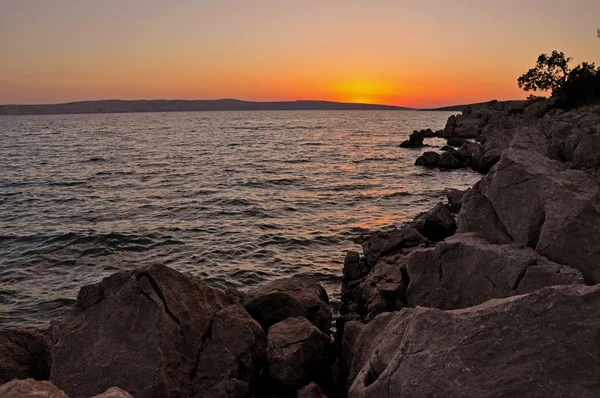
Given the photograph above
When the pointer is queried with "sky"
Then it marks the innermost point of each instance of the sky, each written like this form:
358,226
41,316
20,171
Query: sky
417,53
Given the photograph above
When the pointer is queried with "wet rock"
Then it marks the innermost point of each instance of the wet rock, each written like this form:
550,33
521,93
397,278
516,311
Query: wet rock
142,330
455,199
385,242
466,270
540,344
235,351
428,159
310,390
297,353
456,141
287,298
449,160
23,354
436,224
30,388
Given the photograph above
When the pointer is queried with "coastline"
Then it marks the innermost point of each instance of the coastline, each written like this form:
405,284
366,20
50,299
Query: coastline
492,293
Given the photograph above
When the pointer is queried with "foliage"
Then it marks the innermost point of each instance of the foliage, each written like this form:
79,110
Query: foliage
549,74
582,87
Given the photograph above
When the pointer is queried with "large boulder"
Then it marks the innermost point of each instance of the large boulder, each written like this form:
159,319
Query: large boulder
449,160
146,331
455,199
290,297
428,159
540,344
415,140
466,270
311,390
385,242
23,354
297,353
436,224
532,200
234,351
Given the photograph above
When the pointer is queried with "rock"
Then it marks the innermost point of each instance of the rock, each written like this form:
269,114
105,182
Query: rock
31,388
385,242
455,199
288,298
587,153
436,224
383,289
447,160
355,267
231,388
298,352
428,159
534,201
415,140
142,330
471,153
466,270
540,344
456,141
23,354
114,392
234,351
310,390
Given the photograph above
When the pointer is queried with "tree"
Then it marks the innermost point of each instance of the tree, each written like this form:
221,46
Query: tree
581,87
549,74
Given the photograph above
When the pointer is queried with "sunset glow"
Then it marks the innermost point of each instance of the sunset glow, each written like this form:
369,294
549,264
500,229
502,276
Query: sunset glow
392,52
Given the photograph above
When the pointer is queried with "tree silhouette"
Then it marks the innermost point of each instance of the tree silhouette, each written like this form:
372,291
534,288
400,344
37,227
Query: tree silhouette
549,74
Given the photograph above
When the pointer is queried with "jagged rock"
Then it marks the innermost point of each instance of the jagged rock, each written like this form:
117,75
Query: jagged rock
287,298
355,266
23,354
142,330
384,242
30,388
234,351
540,344
436,224
428,159
455,199
415,140
383,289
456,141
587,153
471,153
310,390
449,160
297,353
532,200
466,270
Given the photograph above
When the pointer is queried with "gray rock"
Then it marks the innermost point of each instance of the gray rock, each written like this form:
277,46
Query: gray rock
23,354
540,344
385,242
31,388
428,159
297,353
310,390
587,153
140,330
465,270
288,298
448,160
436,224
455,199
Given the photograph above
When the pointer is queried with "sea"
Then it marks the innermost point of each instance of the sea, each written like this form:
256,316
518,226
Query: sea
235,198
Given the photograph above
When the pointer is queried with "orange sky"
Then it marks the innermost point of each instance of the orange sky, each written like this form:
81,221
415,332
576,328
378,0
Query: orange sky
433,53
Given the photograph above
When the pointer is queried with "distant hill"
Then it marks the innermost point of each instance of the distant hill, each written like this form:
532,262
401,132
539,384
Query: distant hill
120,106
460,108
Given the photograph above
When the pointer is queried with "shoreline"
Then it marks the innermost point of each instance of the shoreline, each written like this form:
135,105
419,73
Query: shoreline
492,293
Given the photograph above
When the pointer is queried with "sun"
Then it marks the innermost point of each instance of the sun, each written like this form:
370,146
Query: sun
363,91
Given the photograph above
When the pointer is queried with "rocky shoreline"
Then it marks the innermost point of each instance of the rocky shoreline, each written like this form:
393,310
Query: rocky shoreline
491,294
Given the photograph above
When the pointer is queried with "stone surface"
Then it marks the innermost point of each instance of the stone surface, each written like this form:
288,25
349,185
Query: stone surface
31,388
540,344
428,159
142,330
466,270
114,392
448,160
310,390
235,350
23,354
436,224
385,242
298,352
455,199
291,297
231,388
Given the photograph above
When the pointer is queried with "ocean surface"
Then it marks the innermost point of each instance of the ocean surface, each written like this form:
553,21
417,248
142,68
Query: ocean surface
236,198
